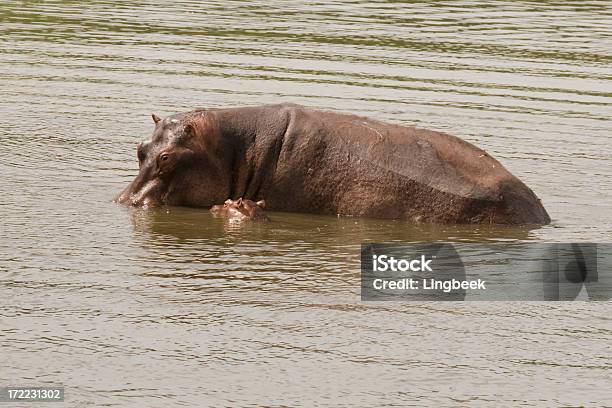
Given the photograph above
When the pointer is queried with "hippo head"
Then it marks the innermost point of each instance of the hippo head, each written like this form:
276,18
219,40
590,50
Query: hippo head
240,210
177,166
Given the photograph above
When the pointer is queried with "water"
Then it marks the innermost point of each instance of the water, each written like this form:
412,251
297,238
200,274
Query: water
171,307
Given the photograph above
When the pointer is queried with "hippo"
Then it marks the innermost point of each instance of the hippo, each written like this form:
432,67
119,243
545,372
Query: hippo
240,210
301,159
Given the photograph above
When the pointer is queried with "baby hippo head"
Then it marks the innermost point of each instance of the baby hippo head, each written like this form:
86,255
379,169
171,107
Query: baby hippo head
240,210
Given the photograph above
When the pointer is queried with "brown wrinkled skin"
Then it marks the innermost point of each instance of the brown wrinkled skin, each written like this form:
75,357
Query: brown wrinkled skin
240,210
305,160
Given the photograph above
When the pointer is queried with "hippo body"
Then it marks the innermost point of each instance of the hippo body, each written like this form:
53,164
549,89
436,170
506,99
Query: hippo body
304,160
240,210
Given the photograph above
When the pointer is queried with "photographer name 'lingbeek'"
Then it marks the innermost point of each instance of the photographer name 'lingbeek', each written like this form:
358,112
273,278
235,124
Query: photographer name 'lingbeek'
306,160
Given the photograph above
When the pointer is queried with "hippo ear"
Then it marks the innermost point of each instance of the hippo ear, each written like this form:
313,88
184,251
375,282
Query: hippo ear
261,203
156,118
189,130
239,202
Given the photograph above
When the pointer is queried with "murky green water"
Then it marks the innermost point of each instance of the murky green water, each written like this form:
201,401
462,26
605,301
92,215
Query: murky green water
172,307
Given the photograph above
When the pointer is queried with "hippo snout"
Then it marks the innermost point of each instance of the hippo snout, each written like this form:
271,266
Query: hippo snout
144,195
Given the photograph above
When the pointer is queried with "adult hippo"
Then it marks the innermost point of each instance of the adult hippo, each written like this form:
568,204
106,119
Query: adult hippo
306,160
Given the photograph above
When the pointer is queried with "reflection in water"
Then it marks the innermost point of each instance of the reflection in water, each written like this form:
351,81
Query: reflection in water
291,253
173,307
186,224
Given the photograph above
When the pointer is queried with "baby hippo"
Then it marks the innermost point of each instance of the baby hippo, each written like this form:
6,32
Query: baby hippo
240,210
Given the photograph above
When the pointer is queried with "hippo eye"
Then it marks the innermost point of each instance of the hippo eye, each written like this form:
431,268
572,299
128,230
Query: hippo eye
163,156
